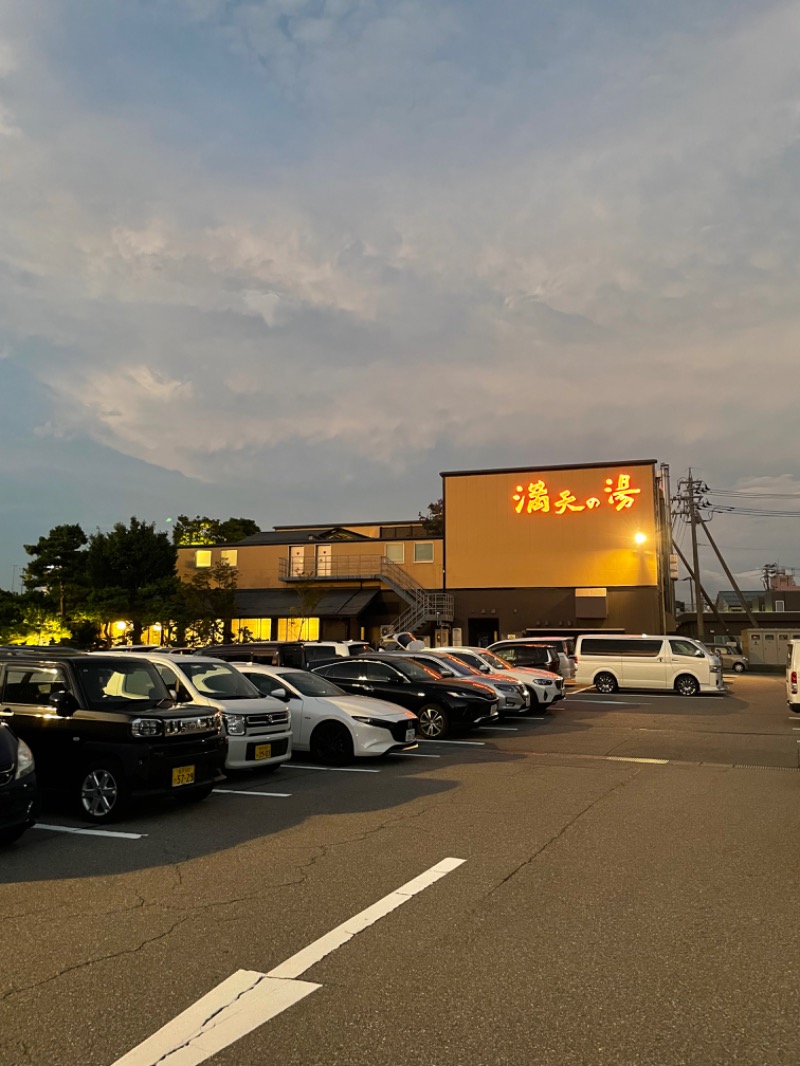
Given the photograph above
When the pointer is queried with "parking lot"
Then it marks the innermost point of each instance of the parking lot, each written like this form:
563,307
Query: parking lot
612,882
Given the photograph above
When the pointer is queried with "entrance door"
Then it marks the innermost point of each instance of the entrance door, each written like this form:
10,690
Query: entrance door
323,560
297,560
482,632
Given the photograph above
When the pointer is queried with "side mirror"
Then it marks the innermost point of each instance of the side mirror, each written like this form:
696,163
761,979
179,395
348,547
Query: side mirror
280,694
64,704
485,668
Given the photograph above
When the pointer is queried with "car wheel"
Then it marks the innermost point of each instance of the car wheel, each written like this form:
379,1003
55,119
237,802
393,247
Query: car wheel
606,683
102,792
8,836
433,721
686,685
738,668
332,744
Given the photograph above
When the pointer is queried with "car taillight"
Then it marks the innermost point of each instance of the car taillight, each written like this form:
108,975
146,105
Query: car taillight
794,682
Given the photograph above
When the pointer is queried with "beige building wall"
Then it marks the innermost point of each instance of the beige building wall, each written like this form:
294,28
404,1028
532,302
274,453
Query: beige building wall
552,527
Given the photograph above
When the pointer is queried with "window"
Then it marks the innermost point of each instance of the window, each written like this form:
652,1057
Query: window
229,556
395,553
780,605
379,672
298,629
423,552
32,686
245,629
684,647
344,671
202,558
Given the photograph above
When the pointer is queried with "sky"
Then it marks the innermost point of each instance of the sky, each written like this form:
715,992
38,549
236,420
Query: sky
290,259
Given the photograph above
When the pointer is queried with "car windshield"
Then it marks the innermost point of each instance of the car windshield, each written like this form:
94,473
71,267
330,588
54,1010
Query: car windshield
457,666
118,685
495,661
310,684
220,681
411,669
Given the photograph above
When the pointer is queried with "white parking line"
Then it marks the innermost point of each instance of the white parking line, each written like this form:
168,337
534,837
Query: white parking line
418,755
469,743
338,769
248,998
500,729
245,792
90,832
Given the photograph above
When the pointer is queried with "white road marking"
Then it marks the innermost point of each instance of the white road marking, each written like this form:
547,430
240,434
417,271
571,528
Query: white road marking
535,718
245,792
501,729
615,703
90,832
627,758
338,769
417,755
314,953
469,743
248,998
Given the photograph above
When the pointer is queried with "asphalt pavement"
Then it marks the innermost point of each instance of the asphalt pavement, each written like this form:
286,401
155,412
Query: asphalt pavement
613,882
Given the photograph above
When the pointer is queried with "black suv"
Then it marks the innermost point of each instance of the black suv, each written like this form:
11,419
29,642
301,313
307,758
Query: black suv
294,653
529,653
439,705
19,796
104,729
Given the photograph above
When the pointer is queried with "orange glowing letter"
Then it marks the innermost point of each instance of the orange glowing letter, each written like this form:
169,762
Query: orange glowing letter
623,495
567,502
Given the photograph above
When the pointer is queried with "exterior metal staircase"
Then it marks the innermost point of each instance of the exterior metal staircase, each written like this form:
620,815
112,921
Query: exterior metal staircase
424,605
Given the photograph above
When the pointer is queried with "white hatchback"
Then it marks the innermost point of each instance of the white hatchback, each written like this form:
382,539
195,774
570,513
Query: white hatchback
331,724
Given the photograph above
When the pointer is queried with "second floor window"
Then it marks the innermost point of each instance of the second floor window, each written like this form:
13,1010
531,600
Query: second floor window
202,558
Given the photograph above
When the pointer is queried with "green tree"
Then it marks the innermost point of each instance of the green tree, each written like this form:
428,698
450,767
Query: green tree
12,616
132,575
204,530
58,567
208,604
433,521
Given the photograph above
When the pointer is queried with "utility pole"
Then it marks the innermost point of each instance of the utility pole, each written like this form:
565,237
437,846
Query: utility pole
698,592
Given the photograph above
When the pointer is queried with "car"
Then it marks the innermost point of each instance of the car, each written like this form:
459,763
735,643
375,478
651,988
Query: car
533,653
441,706
729,658
545,687
334,726
258,728
514,697
300,654
19,794
105,731
792,674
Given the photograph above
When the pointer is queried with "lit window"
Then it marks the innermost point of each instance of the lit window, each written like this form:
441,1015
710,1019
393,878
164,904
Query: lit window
202,559
423,553
298,629
228,556
245,629
396,553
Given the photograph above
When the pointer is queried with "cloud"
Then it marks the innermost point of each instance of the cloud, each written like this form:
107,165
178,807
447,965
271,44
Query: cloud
399,233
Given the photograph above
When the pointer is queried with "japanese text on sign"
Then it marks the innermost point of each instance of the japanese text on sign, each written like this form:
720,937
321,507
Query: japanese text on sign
619,494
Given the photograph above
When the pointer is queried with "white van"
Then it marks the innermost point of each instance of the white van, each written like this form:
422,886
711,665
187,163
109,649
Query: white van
259,728
792,676
652,662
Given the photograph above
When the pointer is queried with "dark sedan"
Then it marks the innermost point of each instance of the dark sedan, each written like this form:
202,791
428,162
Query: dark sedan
19,796
440,706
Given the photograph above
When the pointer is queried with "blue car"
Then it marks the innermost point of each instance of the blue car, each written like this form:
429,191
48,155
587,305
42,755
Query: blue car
19,795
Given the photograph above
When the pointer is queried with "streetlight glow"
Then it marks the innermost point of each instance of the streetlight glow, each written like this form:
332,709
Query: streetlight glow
640,538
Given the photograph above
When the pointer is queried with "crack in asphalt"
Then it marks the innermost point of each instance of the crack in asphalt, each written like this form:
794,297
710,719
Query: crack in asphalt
91,962
557,836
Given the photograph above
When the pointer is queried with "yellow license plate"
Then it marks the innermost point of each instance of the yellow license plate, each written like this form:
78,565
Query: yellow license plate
263,751
182,775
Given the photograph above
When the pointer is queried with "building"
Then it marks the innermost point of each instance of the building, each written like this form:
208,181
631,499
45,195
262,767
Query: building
559,548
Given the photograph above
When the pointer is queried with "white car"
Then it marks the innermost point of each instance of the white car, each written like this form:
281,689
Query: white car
333,725
259,731
544,686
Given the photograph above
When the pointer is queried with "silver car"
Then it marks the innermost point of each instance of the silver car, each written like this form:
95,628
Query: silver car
544,686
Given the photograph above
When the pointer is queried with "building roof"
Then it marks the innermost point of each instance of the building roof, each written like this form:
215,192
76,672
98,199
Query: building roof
549,466
283,603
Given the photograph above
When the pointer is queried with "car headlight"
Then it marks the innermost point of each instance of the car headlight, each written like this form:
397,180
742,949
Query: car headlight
147,727
379,723
24,760
235,724
541,681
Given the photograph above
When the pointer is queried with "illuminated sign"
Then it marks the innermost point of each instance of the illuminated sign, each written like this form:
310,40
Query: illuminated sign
621,496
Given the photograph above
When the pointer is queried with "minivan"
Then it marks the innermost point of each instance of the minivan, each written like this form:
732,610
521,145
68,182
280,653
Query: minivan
647,662
258,727
792,673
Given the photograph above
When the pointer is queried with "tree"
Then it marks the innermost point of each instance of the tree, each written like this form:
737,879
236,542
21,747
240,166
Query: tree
204,530
59,567
208,603
433,521
132,574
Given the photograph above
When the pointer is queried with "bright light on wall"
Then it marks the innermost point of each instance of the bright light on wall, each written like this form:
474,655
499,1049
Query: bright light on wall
640,538
120,625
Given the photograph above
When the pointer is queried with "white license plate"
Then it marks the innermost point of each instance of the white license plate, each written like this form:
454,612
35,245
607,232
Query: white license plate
410,733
